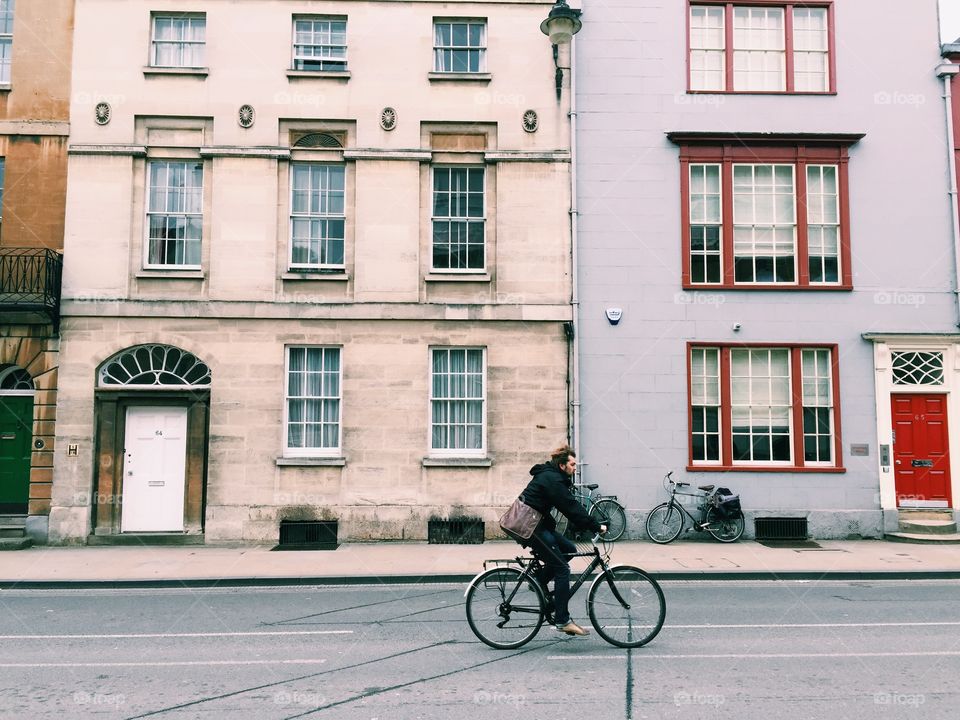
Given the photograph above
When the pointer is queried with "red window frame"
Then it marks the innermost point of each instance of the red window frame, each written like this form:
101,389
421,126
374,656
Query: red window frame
799,151
796,391
788,45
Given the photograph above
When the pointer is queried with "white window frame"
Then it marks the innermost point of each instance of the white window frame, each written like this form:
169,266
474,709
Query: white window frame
808,53
7,9
703,220
830,405
774,225
791,461
314,20
318,216
182,43
147,243
312,451
482,220
758,53
458,452
818,202
701,50
439,49
704,380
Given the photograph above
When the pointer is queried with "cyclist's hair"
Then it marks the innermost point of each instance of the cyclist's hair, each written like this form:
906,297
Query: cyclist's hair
562,454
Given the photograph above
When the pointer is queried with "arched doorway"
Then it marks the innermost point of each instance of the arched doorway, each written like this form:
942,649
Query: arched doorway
16,439
152,405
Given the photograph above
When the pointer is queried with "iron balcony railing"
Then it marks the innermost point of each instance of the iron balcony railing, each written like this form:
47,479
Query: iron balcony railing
30,284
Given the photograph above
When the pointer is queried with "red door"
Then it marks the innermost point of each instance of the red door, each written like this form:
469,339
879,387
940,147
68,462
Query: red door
921,452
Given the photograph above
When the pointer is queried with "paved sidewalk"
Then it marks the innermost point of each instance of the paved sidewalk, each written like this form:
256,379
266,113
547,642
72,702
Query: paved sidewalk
51,567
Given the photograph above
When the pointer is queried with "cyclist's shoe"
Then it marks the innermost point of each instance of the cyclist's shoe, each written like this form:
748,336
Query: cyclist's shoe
571,628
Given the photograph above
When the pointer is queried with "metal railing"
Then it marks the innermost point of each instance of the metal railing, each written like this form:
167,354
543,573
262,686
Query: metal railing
30,282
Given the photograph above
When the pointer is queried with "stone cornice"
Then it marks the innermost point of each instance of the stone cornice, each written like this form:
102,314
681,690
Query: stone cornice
527,156
34,127
130,150
376,154
279,153
253,310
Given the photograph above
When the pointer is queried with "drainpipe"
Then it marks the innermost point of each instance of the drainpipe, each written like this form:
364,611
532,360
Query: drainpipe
946,72
574,256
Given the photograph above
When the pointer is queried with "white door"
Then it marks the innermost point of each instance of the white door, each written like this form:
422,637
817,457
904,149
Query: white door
154,469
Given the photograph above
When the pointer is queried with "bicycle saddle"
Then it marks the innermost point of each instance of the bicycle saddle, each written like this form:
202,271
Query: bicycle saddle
594,486
706,488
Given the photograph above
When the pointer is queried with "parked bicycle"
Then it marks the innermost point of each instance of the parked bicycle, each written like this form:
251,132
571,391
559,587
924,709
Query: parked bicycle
606,509
720,514
507,605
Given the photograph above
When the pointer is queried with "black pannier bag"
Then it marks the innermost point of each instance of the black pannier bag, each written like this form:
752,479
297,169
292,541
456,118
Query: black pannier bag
726,503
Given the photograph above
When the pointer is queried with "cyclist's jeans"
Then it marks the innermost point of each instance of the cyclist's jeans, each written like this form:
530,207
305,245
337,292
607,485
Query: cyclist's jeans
554,550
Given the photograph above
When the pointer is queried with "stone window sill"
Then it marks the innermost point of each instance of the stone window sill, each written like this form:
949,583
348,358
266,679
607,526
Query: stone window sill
457,462
312,276
5,87
190,71
457,277
170,275
319,74
455,76
311,461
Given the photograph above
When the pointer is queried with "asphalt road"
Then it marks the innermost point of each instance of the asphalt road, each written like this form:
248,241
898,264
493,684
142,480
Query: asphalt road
787,650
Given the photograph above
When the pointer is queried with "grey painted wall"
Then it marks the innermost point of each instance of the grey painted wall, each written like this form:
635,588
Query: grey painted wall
631,90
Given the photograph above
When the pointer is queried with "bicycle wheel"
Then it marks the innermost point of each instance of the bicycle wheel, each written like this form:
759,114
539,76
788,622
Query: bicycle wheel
725,530
636,624
610,513
502,611
664,523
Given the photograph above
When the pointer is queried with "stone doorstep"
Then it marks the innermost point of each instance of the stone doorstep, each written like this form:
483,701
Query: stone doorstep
923,538
910,514
928,527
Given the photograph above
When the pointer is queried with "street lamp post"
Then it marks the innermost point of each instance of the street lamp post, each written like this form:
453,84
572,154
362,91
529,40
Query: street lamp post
561,25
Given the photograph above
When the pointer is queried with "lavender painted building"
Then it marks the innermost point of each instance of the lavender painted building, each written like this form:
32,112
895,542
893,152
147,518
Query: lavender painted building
763,190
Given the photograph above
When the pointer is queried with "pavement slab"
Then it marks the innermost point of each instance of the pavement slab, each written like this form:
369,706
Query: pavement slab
419,561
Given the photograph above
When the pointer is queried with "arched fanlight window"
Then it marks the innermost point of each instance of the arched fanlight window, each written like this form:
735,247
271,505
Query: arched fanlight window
15,378
319,140
154,366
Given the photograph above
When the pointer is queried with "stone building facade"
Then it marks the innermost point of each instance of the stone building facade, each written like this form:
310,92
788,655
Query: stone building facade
35,55
308,278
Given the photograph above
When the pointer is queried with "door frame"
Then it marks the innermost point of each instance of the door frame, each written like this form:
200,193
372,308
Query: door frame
884,345
110,409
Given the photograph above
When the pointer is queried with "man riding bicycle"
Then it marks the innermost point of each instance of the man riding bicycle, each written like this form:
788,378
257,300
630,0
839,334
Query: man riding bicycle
550,488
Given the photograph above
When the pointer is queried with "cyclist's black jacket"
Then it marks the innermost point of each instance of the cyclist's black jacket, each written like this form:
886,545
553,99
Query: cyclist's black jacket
549,489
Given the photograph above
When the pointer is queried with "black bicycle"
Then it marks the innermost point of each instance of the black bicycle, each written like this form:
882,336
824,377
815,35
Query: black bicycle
506,605
665,522
605,509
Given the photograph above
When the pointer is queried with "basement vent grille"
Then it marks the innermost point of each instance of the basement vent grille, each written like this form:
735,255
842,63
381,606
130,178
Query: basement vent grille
308,535
789,528
462,531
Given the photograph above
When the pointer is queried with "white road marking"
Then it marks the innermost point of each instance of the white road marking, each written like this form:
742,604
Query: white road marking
176,635
301,661
818,625
641,654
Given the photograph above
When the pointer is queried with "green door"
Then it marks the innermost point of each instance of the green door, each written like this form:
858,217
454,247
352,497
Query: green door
16,434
